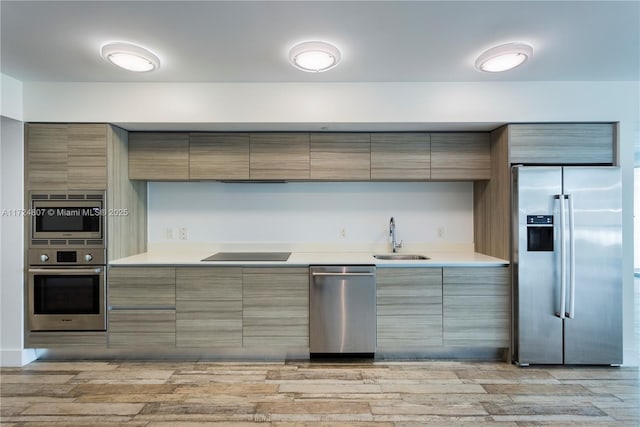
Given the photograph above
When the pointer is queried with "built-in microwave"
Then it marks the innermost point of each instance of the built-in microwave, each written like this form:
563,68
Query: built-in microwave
67,219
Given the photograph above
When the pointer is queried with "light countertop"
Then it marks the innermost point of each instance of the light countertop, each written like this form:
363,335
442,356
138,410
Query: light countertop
305,259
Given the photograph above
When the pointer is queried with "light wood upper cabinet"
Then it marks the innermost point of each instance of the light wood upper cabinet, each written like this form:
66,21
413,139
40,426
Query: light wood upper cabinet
209,307
558,143
340,156
159,156
87,156
409,309
476,306
400,156
276,307
219,156
460,156
279,156
66,157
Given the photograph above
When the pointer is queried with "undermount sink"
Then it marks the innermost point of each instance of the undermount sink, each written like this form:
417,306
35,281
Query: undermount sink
400,257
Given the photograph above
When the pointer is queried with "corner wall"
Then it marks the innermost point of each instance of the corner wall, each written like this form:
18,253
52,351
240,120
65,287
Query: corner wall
12,352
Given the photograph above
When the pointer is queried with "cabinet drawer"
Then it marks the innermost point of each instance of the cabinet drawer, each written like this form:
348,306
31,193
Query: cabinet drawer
140,329
142,287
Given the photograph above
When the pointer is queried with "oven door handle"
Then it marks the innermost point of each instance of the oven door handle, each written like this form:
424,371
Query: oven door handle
65,270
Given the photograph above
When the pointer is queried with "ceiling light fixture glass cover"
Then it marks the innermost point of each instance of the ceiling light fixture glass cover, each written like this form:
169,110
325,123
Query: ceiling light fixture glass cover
314,57
130,56
504,57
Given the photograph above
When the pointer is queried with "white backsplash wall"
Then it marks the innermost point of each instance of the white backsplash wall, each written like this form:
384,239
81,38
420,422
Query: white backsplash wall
310,212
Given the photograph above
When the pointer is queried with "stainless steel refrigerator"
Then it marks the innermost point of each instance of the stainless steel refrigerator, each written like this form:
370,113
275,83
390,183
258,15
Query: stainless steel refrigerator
567,265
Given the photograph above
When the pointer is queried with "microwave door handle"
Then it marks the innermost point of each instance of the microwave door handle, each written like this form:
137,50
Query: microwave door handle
563,261
74,271
572,260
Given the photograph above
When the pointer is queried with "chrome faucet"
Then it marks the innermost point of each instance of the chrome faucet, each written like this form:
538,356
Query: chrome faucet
392,232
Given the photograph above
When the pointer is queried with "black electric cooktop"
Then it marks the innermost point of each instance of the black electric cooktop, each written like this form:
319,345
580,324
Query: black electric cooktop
249,256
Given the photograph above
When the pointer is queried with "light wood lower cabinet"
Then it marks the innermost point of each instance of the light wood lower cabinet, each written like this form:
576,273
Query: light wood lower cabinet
409,309
275,307
209,307
141,307
66,339
141,329
476,306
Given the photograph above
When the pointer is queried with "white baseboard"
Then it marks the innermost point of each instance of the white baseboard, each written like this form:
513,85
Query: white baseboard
17,358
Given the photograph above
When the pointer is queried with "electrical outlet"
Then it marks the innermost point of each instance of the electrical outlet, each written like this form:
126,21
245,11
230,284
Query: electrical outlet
441,232
182,231
168,233
343,233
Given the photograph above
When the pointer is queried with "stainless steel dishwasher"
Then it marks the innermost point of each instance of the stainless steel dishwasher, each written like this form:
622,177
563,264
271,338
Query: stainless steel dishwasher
342,310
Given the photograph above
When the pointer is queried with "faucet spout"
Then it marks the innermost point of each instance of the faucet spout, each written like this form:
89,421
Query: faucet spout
395,245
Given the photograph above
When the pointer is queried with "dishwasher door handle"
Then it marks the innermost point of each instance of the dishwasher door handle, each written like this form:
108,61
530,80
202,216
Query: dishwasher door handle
343,274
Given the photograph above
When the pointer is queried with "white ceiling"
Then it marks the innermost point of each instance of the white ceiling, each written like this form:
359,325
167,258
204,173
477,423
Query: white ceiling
242,41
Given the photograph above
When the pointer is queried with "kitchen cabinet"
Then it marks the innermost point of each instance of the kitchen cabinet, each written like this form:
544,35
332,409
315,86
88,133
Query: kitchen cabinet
142,328
66,339
340,156
562,143
476,306
276,308
279,156
142,303
409,309
62,157
159,156
209,307
219,156
400,156
460,156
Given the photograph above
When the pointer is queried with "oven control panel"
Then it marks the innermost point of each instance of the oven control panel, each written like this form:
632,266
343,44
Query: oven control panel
69,257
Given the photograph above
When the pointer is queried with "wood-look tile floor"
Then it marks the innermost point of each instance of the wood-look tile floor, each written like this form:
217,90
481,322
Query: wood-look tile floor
364,394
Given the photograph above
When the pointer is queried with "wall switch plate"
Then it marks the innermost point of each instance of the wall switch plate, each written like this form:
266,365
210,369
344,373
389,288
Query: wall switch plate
343,233
441,232
182,232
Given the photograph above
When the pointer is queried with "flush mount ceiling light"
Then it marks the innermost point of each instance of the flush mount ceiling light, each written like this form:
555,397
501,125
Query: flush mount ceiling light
130,56
504,57
314,57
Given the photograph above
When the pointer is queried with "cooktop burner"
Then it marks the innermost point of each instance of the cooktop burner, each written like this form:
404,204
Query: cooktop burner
249,256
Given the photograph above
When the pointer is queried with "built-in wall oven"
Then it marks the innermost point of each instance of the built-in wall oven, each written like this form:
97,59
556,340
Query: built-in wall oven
66,279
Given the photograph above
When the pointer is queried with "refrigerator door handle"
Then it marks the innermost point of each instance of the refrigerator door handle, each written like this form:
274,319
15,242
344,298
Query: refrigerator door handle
563,259
572,260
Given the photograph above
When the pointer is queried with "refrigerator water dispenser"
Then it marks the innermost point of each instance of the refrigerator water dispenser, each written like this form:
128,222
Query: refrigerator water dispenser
540,233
